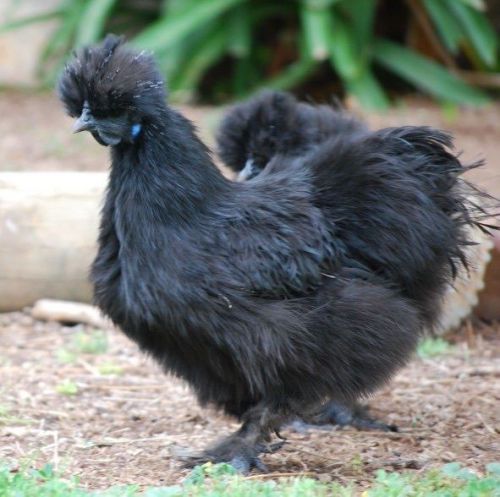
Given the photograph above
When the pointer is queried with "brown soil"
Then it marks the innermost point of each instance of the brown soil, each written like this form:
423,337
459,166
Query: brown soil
123,428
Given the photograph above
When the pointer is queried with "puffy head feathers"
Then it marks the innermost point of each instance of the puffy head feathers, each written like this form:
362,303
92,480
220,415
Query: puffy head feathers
112,78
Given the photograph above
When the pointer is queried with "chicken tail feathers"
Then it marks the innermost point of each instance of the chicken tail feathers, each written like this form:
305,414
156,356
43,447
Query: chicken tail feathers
400,204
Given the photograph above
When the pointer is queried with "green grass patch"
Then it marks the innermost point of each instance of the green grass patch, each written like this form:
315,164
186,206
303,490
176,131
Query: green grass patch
110,368
433,347
67,387
93,342
6,418
221,481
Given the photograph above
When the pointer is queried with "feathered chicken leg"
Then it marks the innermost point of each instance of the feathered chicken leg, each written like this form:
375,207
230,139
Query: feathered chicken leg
355,415
340,414
242,448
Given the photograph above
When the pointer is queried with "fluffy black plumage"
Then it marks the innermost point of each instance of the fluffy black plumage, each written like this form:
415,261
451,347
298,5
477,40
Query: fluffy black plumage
274,126
271,296
275,123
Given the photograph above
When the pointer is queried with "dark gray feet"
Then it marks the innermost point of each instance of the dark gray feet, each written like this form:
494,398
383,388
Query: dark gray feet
338,414
356,416
237,452
243,448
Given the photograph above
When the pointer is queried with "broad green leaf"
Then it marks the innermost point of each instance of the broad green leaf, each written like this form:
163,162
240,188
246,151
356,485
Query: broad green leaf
479,31
361,15
260,13
493,468
293,75
476,4
425,74
317,26
367,90
172,60
240,31
244,76
172,28
446,23
176,6
343,54
319,4
207,52
91,24
59,43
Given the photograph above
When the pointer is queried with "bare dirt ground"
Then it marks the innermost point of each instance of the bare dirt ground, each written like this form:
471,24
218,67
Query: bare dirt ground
59,404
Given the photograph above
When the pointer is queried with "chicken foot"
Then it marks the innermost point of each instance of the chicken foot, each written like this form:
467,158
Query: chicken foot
338,414
243,448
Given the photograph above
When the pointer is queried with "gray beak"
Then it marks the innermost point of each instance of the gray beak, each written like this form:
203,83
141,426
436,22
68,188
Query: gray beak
85,122
247,172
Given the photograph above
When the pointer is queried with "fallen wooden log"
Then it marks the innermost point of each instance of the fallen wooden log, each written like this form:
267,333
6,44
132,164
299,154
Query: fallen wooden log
48,229
489,297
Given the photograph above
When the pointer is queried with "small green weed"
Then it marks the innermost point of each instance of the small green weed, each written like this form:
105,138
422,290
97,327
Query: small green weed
83,342
432,347
6,418
67,387
65,356
450,112
451,481
110,368
93,342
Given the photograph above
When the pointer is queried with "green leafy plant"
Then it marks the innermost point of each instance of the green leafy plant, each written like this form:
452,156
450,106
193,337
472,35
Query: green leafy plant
229,48
67,387
8,418
91,342
110,368
433,347
83,342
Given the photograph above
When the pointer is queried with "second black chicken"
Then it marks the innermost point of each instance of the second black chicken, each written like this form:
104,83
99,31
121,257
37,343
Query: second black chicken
274,123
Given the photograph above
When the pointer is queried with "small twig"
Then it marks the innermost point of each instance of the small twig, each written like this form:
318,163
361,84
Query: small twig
129,387
56,450
336,463
397,464
59,414
482,372
485,424
391,434
69,312
110,442
88,367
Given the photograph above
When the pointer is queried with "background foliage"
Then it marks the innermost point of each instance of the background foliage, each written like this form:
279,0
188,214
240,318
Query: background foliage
223,49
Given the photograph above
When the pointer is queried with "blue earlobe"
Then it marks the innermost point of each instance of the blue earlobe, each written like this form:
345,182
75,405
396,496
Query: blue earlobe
136,129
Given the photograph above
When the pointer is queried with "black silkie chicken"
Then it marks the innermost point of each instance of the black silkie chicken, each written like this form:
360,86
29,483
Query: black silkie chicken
269,297
275,123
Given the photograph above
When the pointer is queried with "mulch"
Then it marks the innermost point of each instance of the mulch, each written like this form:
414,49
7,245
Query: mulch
125,428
